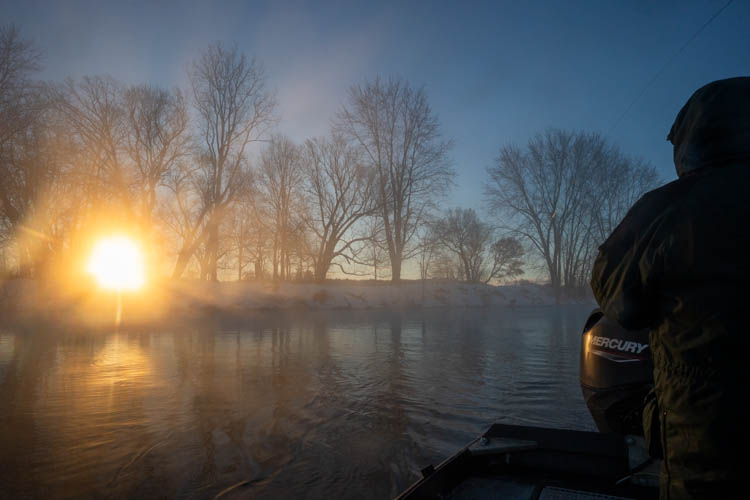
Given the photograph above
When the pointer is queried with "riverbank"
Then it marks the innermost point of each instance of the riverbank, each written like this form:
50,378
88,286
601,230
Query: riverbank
362,295
30,298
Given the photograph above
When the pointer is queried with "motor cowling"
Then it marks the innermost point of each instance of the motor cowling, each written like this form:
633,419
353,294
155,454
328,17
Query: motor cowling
616,374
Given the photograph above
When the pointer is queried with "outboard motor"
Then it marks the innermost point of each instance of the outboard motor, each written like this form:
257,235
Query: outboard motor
616,374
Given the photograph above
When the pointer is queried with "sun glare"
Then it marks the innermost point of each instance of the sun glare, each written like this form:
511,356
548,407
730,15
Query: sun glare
116,264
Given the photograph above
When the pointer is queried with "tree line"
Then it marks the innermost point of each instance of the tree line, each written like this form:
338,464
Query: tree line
563,194
201,176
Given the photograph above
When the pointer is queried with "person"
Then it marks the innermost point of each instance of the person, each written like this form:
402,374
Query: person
679,265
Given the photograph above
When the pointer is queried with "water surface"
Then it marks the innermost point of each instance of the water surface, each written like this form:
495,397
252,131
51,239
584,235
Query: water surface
335,404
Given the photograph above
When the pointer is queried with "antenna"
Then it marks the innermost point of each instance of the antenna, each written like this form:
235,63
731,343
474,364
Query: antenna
666,64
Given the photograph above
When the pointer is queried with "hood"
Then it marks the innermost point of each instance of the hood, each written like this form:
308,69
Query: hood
713,127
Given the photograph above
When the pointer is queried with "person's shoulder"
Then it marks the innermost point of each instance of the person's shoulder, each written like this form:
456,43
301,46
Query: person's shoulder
649,211
657,201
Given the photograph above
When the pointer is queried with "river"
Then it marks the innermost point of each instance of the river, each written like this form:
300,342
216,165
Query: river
308,405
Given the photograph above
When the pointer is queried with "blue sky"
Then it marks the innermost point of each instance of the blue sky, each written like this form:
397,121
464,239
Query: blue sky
495,72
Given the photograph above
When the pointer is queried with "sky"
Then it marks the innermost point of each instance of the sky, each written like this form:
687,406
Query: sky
495,72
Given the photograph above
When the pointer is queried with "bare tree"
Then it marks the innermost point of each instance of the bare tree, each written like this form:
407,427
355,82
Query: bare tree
619,185
552,192
127,143
93,109
252,234
156,140
444,265
183,214
30,172
259,243
375,254
462,233
470,240
234,109
340,188
37,198
428,249
506,259
400,138
19,59
240,229
280,183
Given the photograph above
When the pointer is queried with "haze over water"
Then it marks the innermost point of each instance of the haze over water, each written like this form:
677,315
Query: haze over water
338,404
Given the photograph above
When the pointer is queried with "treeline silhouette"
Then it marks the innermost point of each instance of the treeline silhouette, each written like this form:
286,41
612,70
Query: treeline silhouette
199,176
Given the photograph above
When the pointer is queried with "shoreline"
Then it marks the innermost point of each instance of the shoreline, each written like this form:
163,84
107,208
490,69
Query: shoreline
33,300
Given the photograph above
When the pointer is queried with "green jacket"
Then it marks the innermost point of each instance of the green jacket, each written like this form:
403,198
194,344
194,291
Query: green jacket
679,264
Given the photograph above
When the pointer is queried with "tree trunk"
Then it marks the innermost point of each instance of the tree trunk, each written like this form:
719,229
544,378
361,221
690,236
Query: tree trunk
212,248
183,258
239,263
275,257
396,269
321,268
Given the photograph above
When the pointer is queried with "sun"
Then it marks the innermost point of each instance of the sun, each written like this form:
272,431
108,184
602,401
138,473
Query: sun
117,264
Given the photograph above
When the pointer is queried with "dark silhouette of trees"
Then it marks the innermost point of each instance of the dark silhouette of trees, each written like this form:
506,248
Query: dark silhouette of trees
29,173
93,110
399,135
506,257
234,109
156,140
481,258
280,180
562,194
187,171
19,59
340,188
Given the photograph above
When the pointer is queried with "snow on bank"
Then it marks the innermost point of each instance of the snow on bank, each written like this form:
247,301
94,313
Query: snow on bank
367,295
31,299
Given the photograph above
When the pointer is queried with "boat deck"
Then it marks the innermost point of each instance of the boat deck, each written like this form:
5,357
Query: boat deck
522,462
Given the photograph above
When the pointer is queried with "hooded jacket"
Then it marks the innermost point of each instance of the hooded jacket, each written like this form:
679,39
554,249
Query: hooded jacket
679,264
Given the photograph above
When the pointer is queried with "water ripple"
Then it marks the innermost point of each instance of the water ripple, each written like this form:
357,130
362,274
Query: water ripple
316,405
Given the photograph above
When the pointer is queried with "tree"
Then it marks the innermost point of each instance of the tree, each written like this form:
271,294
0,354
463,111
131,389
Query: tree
93,109
37,195
280,184
27,170
618,188
258,242
429,244
234,109
375,253
506,255
443,265
184,213
340,188
248,234
470,240
128,141
156,140
399,135
556,191
19,59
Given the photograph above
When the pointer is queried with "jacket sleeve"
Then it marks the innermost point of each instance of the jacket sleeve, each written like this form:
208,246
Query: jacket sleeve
627,270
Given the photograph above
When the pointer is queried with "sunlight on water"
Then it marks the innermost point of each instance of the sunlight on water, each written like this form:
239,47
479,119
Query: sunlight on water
344,404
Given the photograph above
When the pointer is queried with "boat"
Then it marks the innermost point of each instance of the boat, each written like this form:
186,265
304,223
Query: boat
521,462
